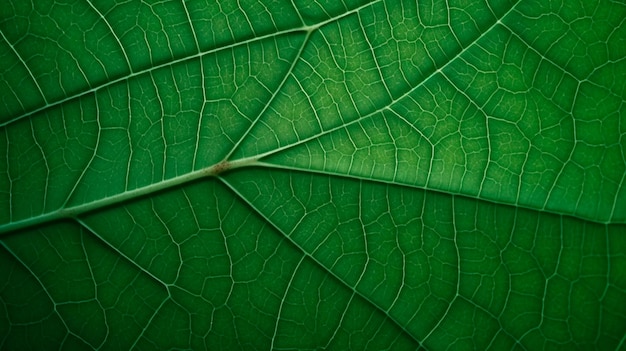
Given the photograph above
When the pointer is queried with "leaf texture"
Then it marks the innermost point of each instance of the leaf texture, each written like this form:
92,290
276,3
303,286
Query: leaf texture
310,174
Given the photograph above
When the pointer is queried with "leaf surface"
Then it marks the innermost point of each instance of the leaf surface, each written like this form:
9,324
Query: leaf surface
306,175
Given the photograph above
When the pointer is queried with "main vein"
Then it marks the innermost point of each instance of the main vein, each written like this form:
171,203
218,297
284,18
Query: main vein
73,212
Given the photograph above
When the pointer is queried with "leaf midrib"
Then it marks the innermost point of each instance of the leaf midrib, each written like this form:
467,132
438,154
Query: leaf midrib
73,212
215,170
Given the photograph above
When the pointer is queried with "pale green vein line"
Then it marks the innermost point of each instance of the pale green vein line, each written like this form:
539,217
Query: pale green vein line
287,237
117,40
621,343
185,59
30,73
282,301
149,323
143,72
72,212
273,97
8,171
309,31
121,254
96,289
392,102
93,155
27,267
496,319
457,294
42,285
553,212
342,320
567,161
430,144
141,270
540,54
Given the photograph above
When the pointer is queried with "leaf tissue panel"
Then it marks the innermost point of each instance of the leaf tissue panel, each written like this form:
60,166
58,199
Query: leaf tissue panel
287,174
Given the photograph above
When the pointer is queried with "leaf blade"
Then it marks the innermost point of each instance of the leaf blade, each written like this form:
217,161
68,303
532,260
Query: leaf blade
305,175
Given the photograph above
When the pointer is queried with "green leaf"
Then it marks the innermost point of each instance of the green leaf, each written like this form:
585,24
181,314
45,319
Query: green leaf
310,174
